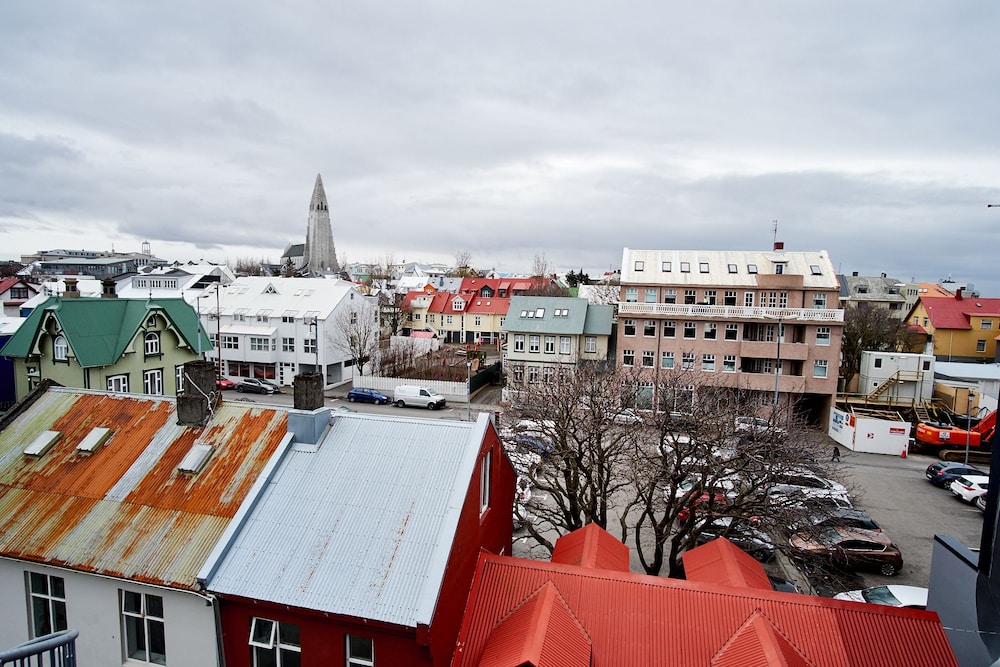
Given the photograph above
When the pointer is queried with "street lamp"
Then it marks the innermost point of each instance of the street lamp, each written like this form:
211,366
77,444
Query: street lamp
781,317
468,389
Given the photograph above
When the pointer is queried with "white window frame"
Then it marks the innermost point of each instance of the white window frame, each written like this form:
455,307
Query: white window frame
590,344
820,368
60,349
687,360
648,358
260,344
735,328
144,622
823,336
628,357
651,295
819,301
519,342
152,382
43,597
980,346
230,342
667,360
151,343
565,345
179,378
355,660
118,383
627,325
273,643
534,343
729,363
986,324
708,363
748,299
485,481
550,345
287,344
309,346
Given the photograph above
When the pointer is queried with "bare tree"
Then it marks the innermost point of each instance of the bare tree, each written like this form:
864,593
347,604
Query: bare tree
605,292
540,266
868,328
356,332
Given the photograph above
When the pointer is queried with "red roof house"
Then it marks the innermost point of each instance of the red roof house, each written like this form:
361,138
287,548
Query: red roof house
525,612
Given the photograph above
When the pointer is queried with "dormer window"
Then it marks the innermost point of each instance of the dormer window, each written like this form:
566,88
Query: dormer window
152,342
60,349
457,304
779,269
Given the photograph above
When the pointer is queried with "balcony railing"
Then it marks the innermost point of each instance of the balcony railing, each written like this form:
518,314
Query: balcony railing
731,312
55,650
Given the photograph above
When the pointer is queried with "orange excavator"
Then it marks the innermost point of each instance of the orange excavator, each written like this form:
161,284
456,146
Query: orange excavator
950,441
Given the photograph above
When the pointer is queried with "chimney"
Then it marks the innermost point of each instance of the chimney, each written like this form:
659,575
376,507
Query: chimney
854,274
779,245
958,294
108,289
307,391
71,291
199,396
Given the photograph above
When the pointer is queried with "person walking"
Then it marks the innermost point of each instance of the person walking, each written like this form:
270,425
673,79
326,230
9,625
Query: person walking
836,454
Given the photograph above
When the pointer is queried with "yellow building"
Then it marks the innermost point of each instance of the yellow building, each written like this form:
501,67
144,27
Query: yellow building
961,328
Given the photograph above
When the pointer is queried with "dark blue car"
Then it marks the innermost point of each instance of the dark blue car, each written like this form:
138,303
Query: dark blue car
365,395
944,473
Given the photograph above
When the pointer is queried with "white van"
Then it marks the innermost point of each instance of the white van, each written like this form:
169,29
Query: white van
417,396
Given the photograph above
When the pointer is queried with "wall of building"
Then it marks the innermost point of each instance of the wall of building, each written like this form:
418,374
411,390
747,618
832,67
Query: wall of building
874,436
93,607
914,372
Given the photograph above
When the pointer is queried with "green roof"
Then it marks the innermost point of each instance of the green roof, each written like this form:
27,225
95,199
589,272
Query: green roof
537,314
99,330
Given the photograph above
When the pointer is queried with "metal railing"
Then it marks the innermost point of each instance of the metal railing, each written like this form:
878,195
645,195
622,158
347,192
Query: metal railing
54,650
731,312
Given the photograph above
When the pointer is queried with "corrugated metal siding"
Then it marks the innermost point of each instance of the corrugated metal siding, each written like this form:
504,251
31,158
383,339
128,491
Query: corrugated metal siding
125,511
639,620
363,526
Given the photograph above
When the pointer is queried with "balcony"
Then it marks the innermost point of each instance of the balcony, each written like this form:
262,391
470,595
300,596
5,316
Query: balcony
55,650
732,313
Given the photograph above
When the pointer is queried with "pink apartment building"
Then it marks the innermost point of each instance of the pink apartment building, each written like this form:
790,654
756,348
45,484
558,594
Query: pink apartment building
768,323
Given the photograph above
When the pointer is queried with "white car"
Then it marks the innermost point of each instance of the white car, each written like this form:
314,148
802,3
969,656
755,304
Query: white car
627,416
970,487
800,482
911,597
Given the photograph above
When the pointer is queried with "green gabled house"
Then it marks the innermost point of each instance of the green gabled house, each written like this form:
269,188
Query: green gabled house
123,345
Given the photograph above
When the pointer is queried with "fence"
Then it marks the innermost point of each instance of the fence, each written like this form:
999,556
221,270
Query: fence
453,391
55,650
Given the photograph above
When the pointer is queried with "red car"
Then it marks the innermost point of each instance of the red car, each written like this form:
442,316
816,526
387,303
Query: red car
224,383
700,504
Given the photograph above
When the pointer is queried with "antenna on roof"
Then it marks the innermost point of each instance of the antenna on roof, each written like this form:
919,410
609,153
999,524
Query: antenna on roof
774,228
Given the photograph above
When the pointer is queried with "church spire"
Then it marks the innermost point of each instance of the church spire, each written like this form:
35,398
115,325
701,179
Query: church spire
321,255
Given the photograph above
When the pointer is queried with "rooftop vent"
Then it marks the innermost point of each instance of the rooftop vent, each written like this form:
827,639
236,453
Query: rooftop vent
97,437
196,458
42,443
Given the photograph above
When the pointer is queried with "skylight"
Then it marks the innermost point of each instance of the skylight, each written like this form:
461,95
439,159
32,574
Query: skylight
97,437
42,443
196,458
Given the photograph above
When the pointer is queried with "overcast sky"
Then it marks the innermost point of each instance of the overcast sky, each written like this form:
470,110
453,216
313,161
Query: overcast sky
569,129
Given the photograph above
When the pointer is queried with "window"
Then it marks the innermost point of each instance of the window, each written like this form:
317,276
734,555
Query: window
179,378
711,297
819,301
687,360
729,363
779,269
640,265
48,604
667,360
814,269
288,317
822,335
748,299
731,268
263,316
648,358
431,318
143,627
260,344
669,296
518,374
665,267
477,321
690,330
685,267
275,644
532,374
690,296
533,343
60,349
360,651
751,268
548,374
927,365
565,344
628,357
240,315
819,368
669,328
729,298
519,342
732,331
649,328
782,299
986,324
152,343
590,344
118,383
152,382
309,345
287,344
703,267
18,293
708,362
710,330
447,319
631,294
230,343
878,363
485,469
772,299
980,346
550,345
650,295
628,327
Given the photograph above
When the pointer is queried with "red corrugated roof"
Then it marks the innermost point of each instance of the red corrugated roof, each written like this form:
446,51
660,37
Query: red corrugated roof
640,620
591,546
722,562
954,313
759,642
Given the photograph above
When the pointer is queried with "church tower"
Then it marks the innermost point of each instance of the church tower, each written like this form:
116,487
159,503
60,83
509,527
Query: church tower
320,254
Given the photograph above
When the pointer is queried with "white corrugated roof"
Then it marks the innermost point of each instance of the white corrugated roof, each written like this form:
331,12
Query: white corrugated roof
362,525
281,294
719,261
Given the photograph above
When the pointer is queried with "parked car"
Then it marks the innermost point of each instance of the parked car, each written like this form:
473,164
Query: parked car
415,395
729,486
843,516
805,484
627,416
755,542
910,597
701,504
224,383
366,395
783,585
257,386
943,473
981,502
758,427
970,487
852,548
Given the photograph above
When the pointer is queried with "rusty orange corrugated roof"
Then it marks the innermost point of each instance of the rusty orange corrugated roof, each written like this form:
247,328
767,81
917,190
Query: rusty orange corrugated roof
125,510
